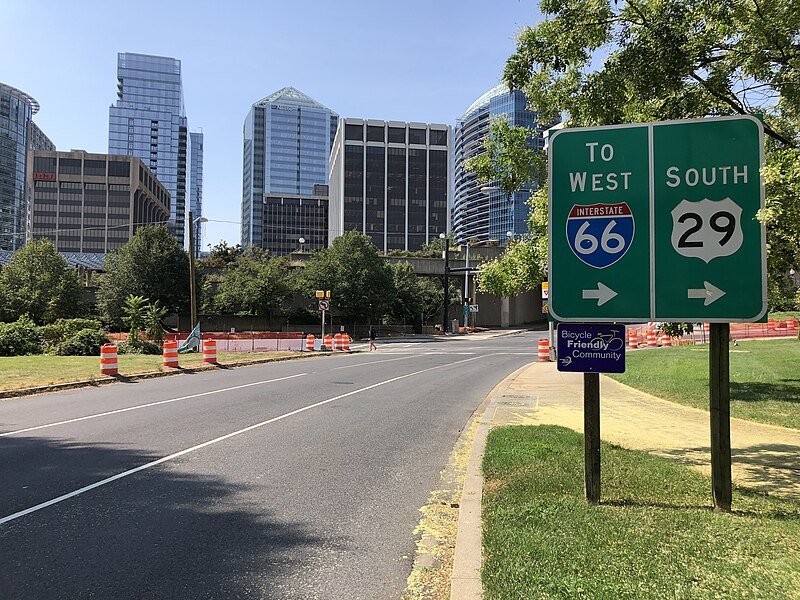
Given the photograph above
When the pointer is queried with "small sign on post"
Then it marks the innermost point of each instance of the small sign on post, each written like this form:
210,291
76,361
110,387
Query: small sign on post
592,348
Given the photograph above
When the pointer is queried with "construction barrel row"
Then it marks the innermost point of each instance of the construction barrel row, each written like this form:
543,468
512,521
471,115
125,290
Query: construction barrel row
337,343
109,364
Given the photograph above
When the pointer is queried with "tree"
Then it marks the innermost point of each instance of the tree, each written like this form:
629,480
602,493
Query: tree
253,285
38,282
360,280
507,159
222,255
151,264
418,298
604,62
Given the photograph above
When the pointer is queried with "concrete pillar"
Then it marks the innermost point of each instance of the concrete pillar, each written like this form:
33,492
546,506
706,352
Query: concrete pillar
505,320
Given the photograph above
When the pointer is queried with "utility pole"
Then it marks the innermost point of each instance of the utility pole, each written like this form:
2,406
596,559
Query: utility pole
445,303
192,291
466,290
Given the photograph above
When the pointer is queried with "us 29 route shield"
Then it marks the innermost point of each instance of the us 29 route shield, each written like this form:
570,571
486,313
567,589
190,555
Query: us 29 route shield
657,222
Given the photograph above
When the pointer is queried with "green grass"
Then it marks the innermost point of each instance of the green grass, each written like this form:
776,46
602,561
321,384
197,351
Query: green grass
654,534
765,378
29,371
782,316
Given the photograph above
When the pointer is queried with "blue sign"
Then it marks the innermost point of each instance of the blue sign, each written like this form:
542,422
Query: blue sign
600,234
584,348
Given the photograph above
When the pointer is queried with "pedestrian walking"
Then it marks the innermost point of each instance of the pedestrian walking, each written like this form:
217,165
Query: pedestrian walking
372,336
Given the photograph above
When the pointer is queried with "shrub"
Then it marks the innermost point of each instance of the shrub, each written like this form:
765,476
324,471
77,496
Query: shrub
59,332
86,342
20,337
135,345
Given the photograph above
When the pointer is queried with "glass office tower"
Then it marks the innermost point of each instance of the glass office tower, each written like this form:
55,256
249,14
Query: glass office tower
287,143
489,214
196,185
149,121
389,180
18,134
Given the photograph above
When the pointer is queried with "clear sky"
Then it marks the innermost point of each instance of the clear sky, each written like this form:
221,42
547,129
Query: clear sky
411,60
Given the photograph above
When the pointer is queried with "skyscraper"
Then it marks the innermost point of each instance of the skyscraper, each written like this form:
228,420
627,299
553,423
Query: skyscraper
485,214
390,180
149,121
196,184
287,143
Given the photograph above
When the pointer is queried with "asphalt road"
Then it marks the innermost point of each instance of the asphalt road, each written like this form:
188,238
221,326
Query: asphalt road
299,479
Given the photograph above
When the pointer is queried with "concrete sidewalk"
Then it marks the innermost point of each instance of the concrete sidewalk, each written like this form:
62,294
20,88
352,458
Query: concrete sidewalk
764,457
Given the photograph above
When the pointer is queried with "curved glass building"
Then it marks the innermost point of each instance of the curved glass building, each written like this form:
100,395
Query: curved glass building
18,134
490,214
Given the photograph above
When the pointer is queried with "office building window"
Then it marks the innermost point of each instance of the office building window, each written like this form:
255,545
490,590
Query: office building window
354,132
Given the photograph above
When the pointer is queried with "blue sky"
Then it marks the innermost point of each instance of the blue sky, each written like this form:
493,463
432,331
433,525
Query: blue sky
411,61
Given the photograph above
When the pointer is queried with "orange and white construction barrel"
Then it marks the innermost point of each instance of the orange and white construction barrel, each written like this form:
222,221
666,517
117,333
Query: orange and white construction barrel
327,341
171,353
345,342
309,343
337,342
652,339
108,359
666,341
633,341
210,352
544,350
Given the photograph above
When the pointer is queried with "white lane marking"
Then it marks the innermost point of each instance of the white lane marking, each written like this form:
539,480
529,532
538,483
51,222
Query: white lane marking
375,362
138,406
154,463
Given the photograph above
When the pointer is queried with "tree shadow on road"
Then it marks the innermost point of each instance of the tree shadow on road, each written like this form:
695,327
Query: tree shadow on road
164,532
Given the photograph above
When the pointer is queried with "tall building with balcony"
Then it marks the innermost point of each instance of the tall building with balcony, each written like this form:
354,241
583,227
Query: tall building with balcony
18,135
287,144
92,203
482,212
390,180
196,185
149,121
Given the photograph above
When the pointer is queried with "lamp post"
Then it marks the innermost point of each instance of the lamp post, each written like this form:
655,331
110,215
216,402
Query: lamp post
302,241
192,291
446,301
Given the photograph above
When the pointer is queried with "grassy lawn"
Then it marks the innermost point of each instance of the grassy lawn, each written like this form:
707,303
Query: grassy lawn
765,378
30,371
653,536
782,316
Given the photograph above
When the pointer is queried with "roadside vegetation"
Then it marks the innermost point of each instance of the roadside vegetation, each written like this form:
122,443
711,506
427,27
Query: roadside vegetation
18,372
610,63
654,535
765,378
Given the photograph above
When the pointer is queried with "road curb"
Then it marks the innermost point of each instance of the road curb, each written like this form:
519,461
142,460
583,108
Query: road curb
71,385
465,580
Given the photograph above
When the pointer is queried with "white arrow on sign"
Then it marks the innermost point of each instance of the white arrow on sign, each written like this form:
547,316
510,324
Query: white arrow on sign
602,294
710,293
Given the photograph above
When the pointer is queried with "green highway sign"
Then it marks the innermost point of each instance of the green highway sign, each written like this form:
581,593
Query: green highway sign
657,222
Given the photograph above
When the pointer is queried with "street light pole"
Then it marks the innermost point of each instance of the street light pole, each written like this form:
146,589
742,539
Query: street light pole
192,290
446,301
466,290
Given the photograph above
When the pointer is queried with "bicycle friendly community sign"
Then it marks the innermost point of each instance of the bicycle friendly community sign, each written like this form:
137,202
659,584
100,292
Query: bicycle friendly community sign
657,222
